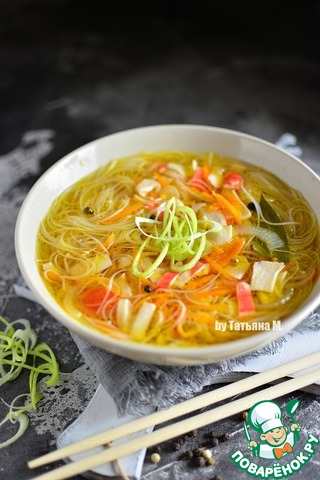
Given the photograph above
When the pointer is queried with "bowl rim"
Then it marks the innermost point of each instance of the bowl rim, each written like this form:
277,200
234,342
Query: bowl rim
99,339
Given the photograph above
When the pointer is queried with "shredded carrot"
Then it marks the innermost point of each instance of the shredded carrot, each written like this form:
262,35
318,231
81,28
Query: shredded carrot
107,243
161,298
207,197
217,267
231,250
228,194
55,277
153,194
213,207
198,282
123,213
206,171
224,203
162,180
217,251
236,247
158,299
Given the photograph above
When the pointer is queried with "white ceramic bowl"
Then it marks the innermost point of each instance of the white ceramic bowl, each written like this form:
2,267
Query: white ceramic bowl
166,137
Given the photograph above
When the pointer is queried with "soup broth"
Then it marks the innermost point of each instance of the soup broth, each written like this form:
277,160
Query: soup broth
179,248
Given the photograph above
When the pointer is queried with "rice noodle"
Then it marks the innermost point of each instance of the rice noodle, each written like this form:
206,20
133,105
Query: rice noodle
76,231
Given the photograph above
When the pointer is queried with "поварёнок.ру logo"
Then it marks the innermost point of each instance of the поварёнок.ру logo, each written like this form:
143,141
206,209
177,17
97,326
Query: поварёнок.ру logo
274,443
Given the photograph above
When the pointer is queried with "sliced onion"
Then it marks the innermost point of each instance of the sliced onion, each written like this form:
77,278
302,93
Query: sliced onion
269,237
23,421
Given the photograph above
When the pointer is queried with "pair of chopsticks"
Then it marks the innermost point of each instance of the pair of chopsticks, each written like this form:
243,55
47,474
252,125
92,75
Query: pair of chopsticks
184,426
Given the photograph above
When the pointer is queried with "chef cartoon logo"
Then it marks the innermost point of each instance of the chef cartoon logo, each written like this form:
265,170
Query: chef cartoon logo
276,440
273,442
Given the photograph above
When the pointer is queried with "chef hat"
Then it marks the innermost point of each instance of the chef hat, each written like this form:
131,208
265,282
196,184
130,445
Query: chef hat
265,416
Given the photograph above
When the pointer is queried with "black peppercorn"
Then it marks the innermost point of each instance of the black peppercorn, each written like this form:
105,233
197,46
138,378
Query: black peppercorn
197,452
176,446
148,288
224,437
155,449
198,461
251,207
214,441
186,455
182,439
88,211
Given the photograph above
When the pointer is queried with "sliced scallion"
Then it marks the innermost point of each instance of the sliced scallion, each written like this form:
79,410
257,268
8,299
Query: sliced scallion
19,351
179,239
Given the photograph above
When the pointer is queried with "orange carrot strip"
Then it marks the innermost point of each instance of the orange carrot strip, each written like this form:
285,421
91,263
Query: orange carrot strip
206,171
235,249
217,267
153,194
198,282
123,213
216,251
55,277
109,241
162,180
231,250
161,299
231,198
224,203
213,207
153,297
207,197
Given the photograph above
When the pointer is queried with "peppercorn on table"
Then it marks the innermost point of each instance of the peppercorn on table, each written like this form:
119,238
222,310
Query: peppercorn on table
70,73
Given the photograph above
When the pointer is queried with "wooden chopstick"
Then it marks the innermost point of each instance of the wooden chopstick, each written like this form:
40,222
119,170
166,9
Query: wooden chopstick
181,427
178,410
182,408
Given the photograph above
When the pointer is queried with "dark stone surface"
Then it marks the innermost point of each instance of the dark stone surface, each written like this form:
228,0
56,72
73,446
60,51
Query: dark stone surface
71,72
